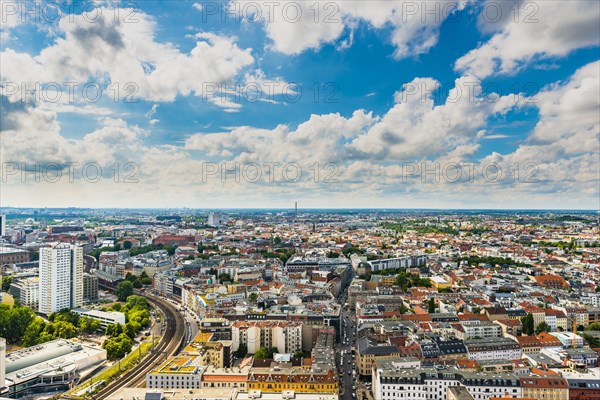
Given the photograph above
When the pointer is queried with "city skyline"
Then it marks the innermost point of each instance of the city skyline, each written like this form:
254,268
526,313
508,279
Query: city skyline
450,104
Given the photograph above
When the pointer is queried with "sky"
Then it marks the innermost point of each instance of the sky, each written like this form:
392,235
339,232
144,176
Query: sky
218,104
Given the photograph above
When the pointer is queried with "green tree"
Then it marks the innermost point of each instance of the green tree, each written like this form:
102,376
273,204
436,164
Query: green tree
253,297
542,327
528,324
6,281
130,330
224,278
117,347
137,284
33,331
262,353
124,290
114,330
14,321
146,281
138,302
241,351
63,329
593,341
593,327
127,245
64,316
431,306
88,325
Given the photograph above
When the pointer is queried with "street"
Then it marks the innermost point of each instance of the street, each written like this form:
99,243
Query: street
348,369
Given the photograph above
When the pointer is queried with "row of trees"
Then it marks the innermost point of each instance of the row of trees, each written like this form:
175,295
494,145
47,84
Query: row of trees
283,254
474,260
134,251
529,327
125,288
137,316
20,325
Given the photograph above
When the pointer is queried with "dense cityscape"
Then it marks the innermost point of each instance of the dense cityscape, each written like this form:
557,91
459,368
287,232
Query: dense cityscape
300,304
300,200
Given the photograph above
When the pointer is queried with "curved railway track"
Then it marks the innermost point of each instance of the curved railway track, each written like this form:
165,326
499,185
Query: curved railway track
169,344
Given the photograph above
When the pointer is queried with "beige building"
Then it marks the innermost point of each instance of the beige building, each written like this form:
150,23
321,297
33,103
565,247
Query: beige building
552,387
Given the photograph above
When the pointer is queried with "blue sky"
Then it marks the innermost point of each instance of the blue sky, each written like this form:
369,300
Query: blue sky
377,93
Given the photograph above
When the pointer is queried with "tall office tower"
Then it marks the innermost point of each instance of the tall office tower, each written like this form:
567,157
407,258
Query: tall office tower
61,278
2,225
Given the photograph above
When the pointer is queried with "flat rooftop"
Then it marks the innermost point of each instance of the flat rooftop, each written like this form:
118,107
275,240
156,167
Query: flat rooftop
41,359
210,393
180,364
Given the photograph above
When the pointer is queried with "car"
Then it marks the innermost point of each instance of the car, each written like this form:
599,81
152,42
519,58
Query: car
349,372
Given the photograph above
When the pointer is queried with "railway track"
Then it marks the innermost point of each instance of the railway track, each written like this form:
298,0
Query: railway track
168,345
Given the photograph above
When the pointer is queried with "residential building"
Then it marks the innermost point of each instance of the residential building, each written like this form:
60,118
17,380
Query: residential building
477,329
61,278
553,387
90,288
434,383
369,351
27,291
493,348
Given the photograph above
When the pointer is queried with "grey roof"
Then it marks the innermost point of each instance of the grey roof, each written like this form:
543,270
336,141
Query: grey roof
369,346
154,396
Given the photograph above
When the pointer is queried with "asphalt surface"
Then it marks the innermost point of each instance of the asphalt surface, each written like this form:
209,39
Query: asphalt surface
347,364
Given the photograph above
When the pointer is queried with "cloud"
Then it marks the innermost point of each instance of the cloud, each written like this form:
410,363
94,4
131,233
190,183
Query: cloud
294,27
120,52
562,153
368,153
495,136
415,127
538,31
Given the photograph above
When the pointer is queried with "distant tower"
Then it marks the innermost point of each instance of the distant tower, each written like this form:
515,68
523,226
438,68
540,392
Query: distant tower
295,210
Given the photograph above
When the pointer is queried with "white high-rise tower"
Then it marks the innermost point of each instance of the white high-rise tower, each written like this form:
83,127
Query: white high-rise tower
61,278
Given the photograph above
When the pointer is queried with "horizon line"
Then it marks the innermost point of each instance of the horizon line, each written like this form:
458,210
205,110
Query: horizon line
305,208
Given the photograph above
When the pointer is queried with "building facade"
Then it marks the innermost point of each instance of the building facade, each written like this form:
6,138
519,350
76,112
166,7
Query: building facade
61,278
